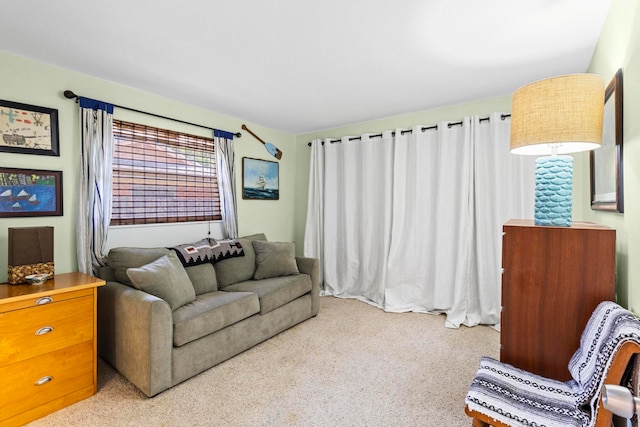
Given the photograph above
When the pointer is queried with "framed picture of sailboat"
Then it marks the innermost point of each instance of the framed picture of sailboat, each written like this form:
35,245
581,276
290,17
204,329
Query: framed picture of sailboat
260,179
30,192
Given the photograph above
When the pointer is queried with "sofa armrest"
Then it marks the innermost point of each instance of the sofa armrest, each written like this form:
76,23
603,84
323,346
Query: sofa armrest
135,336
106,273
311,266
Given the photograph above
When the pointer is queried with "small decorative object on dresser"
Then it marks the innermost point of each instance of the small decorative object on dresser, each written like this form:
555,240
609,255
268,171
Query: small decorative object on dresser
47,346
37,279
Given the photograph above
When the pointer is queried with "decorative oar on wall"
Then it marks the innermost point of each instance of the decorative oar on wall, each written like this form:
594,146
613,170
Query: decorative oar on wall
272,149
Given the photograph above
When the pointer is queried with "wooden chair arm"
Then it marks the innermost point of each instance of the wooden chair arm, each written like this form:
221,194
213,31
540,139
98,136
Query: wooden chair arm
481,420
614,376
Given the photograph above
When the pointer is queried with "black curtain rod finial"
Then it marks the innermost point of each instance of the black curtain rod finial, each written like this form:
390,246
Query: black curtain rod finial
69,94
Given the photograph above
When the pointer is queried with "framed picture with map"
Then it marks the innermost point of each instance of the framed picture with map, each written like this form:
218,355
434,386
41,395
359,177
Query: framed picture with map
28,129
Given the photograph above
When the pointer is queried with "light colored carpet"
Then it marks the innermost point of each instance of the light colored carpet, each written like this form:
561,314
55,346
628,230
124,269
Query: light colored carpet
352,365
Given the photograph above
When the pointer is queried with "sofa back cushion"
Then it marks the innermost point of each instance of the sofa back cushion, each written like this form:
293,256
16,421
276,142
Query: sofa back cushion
203,278
123,258
234,270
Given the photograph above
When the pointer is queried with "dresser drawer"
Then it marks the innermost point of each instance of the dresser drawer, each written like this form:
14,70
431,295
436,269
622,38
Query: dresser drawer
24,299
34,331
34,382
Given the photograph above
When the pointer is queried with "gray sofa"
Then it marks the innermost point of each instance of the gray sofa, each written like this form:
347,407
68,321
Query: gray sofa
160,322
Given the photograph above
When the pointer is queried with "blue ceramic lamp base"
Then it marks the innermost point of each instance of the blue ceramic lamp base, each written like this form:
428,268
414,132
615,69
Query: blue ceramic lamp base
554,183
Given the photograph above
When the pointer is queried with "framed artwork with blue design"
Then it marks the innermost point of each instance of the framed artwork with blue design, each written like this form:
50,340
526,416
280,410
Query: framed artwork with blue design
28,129
30,192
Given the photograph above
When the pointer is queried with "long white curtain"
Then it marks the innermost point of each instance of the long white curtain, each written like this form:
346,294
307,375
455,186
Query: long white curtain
225,162
412,222
429,258
94,194
504,189
357,217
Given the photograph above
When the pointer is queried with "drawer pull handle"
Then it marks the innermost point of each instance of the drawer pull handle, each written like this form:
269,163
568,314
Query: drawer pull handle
44,300
44,330
44,380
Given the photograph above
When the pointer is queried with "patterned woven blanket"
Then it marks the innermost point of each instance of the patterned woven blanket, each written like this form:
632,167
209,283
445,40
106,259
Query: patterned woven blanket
208,250
522,399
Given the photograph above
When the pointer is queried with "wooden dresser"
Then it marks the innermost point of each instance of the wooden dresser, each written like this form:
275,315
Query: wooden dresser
553,279
47,346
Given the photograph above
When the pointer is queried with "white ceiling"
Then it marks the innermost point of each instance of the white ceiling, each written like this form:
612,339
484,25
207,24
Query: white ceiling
301,66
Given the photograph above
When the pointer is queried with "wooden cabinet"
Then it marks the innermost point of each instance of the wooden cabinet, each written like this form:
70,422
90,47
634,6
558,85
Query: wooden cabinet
553,278
47,346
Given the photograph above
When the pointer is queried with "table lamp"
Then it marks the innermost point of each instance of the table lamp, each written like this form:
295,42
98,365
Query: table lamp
550,118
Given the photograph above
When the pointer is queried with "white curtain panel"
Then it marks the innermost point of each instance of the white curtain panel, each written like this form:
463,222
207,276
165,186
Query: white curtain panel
413,222
504,189
357,217
429,263
314,227
94,194
225,163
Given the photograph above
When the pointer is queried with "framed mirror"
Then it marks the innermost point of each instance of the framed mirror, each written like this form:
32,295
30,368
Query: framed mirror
606,162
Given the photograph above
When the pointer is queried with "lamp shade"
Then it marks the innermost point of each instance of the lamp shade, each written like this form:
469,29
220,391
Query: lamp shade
563,112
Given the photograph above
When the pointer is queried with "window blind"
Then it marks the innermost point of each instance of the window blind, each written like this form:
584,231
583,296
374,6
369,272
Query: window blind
162,176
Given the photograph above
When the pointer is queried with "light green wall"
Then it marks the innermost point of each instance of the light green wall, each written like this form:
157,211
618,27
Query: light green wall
421,118
619,47
30,82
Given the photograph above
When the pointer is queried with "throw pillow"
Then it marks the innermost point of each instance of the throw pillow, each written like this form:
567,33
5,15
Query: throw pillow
166,279
120,259
274,259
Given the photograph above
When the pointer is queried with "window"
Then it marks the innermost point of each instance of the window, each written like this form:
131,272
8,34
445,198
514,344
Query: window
162,176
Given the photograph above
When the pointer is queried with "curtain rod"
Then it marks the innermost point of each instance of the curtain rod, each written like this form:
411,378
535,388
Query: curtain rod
70,95
423,129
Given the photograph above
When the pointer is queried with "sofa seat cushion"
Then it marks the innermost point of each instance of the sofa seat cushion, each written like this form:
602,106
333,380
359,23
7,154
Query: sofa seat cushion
275,292
211,312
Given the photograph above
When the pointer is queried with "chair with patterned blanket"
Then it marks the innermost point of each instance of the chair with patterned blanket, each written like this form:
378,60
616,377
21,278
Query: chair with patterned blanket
504,396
